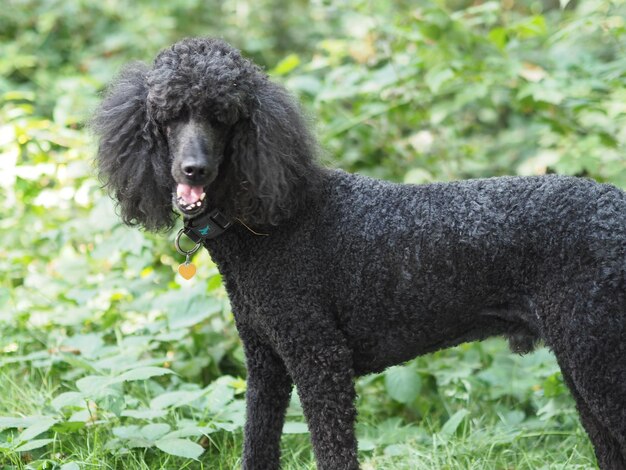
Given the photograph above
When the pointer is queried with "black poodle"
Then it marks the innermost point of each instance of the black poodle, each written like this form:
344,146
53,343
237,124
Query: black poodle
333,275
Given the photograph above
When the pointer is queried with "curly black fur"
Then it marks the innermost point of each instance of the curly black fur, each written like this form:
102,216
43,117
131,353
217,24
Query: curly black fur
356,274
205,78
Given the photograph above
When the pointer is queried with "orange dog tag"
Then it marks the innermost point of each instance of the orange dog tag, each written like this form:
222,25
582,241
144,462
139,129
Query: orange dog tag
187,270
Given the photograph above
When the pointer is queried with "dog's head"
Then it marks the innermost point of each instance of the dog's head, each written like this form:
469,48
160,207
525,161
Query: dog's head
202,128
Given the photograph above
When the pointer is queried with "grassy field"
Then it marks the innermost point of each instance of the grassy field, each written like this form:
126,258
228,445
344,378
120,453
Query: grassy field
492,435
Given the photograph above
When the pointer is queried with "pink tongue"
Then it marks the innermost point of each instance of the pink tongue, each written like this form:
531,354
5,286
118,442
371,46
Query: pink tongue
189,194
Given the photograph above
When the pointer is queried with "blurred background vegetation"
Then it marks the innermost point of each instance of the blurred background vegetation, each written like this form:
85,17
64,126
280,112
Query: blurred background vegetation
109,360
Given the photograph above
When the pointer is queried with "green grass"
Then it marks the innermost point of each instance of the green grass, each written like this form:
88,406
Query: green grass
479,442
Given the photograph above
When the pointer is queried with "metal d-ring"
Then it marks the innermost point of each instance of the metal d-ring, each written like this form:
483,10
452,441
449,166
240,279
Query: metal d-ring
180,250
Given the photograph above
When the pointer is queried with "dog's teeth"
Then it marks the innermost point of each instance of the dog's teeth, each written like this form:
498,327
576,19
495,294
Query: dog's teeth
191,206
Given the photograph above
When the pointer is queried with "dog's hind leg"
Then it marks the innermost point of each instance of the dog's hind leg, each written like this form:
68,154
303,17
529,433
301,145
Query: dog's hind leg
267,396
607,448
592,353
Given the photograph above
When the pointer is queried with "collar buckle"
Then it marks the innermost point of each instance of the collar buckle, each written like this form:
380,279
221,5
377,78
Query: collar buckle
210,225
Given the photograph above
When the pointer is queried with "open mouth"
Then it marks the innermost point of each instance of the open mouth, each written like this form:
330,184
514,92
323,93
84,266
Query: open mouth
190,200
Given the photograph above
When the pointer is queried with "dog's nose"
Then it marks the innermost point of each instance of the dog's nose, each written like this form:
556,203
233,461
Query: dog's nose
194,170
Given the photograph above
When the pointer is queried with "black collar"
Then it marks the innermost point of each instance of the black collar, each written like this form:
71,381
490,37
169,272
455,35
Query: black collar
209,225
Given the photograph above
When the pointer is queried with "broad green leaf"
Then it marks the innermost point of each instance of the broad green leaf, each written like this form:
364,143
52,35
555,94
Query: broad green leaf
68,399
34,444
227,426
365,445
94,385
551,409
126,432
220,393
397,449
531,27
10,422
453,423
145,413
435,78
548,95
190,431
141,373
112,402
18,95
199,308
35,429
138,443
175,399
68,427
498,36
417,176
152,432
293,427
87,345
180,447
80,417
70,466
286,65
402,383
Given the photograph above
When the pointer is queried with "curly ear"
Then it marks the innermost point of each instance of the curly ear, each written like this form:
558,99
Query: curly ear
273,157
132,154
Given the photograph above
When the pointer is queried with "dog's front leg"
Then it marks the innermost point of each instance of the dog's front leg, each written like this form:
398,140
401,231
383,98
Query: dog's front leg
323,374
267,396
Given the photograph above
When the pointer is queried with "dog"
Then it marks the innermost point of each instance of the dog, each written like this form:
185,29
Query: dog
334,275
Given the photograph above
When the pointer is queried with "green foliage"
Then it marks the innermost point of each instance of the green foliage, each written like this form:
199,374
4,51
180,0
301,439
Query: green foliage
108,356
480,91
